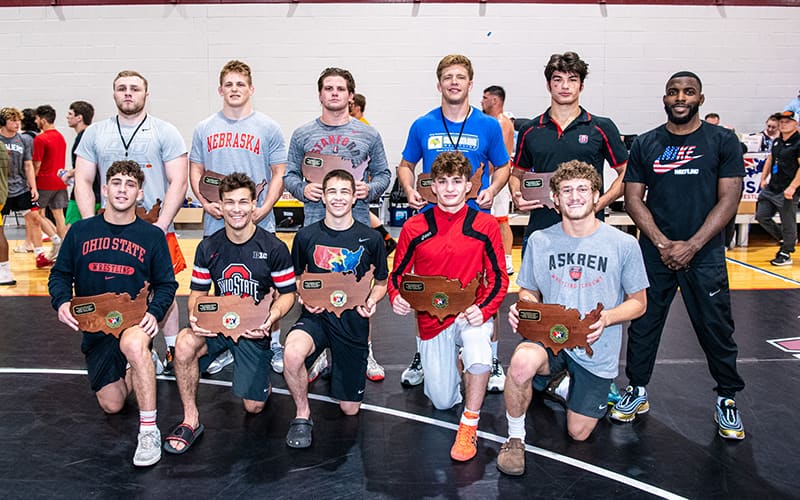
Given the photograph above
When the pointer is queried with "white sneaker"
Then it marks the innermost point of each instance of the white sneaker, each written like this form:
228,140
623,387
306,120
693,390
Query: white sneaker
414,374
6,278
509,265
148,451
497,377
157,363
277,359
53,255
375,371
221,362
319,366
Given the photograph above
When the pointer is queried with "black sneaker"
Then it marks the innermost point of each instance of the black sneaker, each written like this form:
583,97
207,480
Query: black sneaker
781,259
169,361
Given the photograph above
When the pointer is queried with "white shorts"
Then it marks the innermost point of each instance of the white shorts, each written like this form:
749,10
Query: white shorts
502,203
440,359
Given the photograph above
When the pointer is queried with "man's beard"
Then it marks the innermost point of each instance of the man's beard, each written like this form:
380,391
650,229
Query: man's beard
693,110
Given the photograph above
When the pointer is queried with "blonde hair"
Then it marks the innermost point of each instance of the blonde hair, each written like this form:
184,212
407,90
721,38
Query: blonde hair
452,60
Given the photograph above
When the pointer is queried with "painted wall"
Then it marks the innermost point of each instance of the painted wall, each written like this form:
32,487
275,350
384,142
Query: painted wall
747,57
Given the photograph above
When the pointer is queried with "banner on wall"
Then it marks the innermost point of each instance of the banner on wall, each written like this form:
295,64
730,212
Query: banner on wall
753,165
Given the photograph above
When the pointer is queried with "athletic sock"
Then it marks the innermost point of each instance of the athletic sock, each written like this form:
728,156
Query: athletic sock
516,426
170,340
147,420
383,232
641,391
276,339
38,250
5,266
470,417
56,240
494,349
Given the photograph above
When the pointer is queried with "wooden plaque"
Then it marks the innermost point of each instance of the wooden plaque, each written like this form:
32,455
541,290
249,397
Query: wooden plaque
316,165
424,182
110,313
335,292
535,186
555,326
210,181
436,295
231,315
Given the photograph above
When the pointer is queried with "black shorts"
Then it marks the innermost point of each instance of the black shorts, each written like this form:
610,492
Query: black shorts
251,364
104,360
349,350
588,393
19,203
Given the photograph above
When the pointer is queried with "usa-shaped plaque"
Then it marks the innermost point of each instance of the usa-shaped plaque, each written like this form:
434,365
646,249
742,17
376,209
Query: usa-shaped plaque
438,296
316,165
424,182
335,292
231,315
150,216
556,326
210,181
110,313
535,186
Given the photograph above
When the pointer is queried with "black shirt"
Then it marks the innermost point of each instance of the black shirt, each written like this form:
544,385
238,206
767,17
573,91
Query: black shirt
785,155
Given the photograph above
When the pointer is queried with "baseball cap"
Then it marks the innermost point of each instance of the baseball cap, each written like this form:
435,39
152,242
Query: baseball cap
788,114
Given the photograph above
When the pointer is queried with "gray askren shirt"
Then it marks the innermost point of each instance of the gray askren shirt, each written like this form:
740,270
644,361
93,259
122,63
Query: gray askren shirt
355,141
580,272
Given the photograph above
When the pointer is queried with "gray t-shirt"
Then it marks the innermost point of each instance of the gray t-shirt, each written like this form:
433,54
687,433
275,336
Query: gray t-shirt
20,150
355,141
155,143
251,145
580,272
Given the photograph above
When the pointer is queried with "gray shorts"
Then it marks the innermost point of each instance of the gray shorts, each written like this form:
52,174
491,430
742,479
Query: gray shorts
53,199
588,393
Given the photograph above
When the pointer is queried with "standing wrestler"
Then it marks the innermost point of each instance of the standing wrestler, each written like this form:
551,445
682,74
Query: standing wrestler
6,276
455,241
336,133
239,139
780,181
337,243
158,148
242,259
612,274
692,174
49,155
564,132
454,126
121,246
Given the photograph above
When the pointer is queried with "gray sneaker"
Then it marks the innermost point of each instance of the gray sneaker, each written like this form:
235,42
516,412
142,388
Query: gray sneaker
497,377
319,367
277,359
221,362
148,451
414,374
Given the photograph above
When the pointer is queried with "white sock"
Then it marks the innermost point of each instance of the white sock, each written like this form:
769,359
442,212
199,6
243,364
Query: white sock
494,349
516,426
170,340
563,388
5,266
147,420
641,390
56,240
38,250
470,417
276,339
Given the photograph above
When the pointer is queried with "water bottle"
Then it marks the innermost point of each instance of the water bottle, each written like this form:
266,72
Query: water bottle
62,174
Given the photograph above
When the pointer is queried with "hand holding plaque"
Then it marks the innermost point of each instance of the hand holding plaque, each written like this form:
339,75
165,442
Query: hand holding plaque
535,186
335,292
436,295
316,165
110,313
555,326
424,182
231,315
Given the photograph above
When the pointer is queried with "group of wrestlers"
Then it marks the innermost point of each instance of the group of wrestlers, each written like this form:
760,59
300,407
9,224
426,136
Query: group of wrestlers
681,183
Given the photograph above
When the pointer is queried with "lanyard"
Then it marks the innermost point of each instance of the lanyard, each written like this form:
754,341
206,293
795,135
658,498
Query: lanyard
126,145
458,141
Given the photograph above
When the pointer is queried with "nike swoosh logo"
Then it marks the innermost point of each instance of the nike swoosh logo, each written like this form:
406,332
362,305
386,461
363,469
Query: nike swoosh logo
362,240
660,168
361,391
711,294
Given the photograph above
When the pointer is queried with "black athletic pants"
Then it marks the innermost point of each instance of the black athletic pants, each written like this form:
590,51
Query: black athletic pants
706,294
